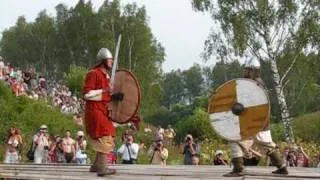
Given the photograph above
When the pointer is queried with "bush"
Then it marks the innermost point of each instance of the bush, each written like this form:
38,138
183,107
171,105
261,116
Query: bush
197,125
307,127
75,78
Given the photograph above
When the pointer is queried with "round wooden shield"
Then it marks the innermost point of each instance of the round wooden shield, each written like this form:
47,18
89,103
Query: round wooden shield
239,109
126,83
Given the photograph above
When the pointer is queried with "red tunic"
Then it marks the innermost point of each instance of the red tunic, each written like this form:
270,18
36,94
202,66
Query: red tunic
96,112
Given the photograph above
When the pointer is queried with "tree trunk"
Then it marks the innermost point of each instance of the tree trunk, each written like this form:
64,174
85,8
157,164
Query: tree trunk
285,115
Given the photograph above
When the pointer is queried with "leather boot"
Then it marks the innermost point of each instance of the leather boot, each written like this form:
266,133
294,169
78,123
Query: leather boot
93,167
102,169
277,161
237,168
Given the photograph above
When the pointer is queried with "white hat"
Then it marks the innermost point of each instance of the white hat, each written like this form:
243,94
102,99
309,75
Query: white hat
43,126
80,133
218,152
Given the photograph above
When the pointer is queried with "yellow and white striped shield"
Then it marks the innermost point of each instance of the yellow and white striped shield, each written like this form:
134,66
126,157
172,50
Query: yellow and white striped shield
239,109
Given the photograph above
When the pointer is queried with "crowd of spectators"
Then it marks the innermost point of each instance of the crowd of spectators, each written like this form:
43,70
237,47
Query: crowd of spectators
48,148
30,83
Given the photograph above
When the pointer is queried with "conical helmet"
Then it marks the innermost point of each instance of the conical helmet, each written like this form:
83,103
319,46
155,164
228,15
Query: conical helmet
104,53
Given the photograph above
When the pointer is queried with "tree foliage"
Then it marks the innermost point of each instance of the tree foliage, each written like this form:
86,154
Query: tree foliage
269,31
75,35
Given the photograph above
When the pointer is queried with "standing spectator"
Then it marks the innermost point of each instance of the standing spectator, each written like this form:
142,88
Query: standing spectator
158,153
81,145
318,165
302,158
169,134
13,146
59,151
52,148
41,144
125,135
189,150
68,145
159,133
218,159
129,151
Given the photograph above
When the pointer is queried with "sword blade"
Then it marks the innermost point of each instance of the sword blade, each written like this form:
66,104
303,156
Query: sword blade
115,62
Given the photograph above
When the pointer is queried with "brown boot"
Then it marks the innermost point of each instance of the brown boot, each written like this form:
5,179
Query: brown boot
102,169
277,161
237,168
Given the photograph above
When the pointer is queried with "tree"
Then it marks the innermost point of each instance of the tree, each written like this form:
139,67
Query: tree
193,82
173,88
266,30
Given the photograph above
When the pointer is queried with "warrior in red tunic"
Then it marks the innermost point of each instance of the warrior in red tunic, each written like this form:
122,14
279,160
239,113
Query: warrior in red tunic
97,94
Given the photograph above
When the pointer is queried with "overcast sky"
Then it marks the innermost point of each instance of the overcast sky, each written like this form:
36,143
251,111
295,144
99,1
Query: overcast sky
173,22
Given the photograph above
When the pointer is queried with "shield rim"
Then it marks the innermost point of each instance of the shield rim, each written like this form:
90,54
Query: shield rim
266,94
139,96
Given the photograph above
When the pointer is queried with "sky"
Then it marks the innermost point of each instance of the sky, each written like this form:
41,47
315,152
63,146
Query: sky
174,24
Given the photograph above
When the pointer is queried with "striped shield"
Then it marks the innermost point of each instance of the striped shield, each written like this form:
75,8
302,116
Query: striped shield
239,109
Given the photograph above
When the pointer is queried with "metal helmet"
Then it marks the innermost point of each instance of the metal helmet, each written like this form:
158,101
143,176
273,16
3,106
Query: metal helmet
104,53
252,63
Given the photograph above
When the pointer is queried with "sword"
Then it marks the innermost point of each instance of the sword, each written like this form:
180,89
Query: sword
115,62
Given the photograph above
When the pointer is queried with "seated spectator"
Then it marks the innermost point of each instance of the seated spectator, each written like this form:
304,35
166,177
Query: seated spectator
13,146
129,151
81,145
251,157
218,159
291,158
196,160
302,159
158,153
189,150
68,145
41,144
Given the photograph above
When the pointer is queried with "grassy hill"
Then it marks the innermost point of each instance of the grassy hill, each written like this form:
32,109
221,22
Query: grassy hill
28,115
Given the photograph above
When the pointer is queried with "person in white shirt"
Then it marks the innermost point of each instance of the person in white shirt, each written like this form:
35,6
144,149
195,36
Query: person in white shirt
129,151
41,144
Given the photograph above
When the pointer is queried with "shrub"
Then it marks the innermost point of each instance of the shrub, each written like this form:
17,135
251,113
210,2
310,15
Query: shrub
198,125
307,127
75,78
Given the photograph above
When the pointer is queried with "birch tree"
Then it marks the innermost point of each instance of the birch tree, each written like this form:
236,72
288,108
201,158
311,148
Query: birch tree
265,29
